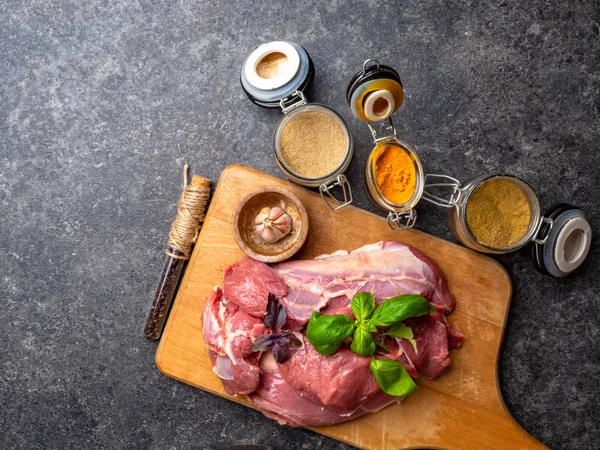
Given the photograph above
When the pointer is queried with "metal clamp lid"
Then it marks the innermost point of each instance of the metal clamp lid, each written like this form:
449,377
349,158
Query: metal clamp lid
326,192
402,220
390,127
543,230
292,102
270,98
562,241
450,182
375,92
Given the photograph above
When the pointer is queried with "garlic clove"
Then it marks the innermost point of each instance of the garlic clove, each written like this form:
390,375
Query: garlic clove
283,223
262,215
276,213
273,224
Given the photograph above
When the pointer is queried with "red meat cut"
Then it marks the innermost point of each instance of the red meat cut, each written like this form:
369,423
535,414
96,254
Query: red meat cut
247,283
387,269
310,389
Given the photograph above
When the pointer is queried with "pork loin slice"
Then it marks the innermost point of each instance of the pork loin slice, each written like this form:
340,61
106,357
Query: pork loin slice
434,338
229,333
277,399
247,283
342,381
387,269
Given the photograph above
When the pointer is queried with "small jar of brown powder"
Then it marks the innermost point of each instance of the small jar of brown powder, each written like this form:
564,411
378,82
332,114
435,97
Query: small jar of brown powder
501,213
312,143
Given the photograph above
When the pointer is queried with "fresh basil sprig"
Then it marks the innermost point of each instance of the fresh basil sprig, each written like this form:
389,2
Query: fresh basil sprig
392,377
327,333
400,308
279,343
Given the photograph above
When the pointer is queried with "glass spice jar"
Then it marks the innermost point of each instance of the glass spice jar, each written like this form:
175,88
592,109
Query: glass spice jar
395,210
560,238
274,76
374,94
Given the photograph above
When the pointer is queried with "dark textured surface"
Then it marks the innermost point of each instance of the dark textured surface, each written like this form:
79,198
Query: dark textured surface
102,102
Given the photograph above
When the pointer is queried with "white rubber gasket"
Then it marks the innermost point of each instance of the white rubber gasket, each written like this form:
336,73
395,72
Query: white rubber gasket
369,105
268,84
578,247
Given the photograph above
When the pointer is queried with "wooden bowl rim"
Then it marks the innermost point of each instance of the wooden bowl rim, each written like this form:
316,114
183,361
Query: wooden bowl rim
299,240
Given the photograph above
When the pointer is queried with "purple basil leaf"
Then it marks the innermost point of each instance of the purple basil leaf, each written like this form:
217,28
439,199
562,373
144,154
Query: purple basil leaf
281,353
294,341
281,317
275,317
262,343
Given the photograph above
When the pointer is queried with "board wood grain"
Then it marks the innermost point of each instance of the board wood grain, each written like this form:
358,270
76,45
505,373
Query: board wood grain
462,409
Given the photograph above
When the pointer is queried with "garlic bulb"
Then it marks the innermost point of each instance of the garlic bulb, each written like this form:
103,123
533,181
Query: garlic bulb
273,224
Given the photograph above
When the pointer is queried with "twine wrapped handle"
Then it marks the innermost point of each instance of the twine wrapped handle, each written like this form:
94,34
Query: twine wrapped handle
191,210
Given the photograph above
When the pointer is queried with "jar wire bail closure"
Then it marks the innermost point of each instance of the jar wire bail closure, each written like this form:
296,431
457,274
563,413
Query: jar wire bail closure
326,189
450,182
292,102
402,220
390,126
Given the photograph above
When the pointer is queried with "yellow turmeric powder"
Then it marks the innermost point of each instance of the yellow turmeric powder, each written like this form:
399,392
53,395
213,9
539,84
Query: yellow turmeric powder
395,173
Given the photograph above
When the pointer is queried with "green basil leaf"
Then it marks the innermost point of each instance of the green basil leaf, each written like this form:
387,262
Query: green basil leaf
363,305
369,326
363,343
327,333
400,308
402,331
392,377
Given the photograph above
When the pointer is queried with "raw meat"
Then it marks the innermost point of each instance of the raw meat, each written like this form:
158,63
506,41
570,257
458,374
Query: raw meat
432,334
342,381
247,283
310,389
278,400
387,269
229,332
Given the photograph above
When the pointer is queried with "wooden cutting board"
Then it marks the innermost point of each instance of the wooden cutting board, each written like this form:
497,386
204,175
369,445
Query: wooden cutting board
462,409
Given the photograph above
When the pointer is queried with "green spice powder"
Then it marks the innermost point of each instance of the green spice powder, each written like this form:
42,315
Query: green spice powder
498,213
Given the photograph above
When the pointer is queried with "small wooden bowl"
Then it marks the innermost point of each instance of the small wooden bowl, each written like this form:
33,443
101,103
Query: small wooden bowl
244,228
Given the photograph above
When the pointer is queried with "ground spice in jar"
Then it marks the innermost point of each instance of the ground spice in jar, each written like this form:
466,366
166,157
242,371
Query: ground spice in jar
313,144
272,65
498,213
395,174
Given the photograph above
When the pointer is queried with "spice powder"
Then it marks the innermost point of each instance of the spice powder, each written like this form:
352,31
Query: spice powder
396,174
272,65
498,213
313,144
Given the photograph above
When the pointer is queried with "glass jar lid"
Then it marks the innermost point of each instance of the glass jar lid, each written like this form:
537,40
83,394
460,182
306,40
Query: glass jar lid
275,71
563,241
375,93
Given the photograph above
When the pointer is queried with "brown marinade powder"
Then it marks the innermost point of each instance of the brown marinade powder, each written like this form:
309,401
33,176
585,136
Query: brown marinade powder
313,144
498,213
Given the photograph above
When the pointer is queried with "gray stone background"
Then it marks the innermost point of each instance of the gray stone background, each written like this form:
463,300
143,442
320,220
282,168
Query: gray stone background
103,101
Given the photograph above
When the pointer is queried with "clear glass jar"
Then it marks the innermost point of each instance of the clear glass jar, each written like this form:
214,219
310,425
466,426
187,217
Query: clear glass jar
560,238
457,214
329,181
400,216
284,90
